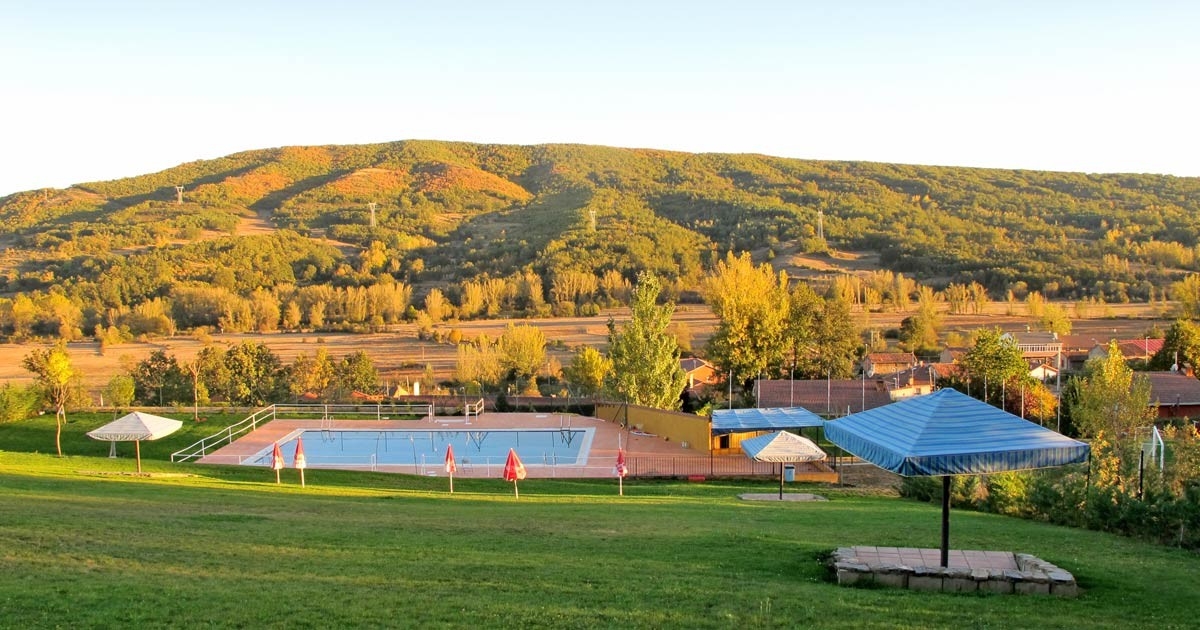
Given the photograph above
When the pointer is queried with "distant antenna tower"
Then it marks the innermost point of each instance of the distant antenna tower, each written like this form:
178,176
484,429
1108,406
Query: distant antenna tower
592,212
179,195
821,224
372,207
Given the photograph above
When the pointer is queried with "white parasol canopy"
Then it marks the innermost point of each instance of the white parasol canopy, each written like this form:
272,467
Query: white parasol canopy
782,446
135,427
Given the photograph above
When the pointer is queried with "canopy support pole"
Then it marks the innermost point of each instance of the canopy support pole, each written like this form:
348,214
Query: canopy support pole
780,481
945,520
137,448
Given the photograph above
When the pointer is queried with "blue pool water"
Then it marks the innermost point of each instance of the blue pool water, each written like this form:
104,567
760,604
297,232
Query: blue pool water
356,448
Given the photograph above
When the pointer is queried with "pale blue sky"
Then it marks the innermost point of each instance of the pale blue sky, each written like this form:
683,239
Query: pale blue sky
100,90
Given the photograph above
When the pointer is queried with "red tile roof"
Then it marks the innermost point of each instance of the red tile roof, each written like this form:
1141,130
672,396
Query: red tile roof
1139,348
1169,388
897,358
824,397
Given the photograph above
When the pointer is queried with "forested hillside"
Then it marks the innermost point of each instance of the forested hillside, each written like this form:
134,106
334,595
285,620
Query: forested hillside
283,237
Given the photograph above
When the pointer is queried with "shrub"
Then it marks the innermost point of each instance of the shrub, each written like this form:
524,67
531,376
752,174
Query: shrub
1008,493
17,402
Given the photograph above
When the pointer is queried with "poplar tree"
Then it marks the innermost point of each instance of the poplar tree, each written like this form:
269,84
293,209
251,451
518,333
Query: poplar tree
644,353
752,304
1110,399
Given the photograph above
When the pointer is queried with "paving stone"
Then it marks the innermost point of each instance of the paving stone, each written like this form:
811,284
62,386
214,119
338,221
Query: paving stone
1001,586
1064,590
956,573
980,575
1031,588
898,579
959,585
924,582
1058,576
847,577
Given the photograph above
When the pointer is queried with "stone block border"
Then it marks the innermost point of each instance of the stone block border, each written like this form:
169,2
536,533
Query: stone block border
1033,576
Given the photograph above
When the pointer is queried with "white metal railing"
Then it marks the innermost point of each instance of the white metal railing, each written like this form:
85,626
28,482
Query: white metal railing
327,414
475,408
372,411
225,436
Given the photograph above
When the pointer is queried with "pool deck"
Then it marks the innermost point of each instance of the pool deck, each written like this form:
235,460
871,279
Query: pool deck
600,461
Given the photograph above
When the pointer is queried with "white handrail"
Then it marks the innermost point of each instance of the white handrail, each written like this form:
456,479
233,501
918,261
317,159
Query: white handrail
224,436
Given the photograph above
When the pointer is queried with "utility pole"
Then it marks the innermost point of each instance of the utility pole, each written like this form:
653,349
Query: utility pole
179,195
821,224
372,207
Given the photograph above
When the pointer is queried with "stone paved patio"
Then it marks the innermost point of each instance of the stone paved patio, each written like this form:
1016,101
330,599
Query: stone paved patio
967,571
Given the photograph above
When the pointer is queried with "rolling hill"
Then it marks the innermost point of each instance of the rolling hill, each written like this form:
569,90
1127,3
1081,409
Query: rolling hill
447,213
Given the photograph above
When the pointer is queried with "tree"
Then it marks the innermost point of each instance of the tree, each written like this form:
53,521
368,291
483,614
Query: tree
1110,399
356,373
1187,293
120,390
1054,319
478,362
1181,345
17,402
213,377
437,306
53,372
587,371
312,374
752,306
993,361
919,333
158,379
255,374
522,351
838,342
644,354
207,361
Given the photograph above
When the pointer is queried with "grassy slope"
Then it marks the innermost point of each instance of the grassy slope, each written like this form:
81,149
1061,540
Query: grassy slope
224,545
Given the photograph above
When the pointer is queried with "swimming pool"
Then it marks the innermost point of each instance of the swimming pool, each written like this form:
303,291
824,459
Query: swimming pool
426,449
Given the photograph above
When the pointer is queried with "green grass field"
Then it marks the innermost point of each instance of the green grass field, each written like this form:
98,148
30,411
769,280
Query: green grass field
83,545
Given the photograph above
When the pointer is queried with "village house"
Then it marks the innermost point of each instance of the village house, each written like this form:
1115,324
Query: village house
1038,348
699,372
880,363
1174,394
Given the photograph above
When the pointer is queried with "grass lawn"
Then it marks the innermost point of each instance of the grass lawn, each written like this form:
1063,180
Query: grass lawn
205,545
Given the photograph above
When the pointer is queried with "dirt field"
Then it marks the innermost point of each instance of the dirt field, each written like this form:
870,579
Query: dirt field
400,356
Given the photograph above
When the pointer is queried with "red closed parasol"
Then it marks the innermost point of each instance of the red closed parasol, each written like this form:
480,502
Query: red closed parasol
620,470
451,465
298,460
276,461
514,470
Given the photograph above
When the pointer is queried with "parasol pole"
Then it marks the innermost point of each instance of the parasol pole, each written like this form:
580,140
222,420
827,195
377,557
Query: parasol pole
945,520
451,483
780,481
516,492
137,448
301,477
277,475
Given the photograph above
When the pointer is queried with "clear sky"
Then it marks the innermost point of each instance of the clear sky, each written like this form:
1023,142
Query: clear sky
102,90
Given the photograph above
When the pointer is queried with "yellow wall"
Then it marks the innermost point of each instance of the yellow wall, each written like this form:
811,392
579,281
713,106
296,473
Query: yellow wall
674,425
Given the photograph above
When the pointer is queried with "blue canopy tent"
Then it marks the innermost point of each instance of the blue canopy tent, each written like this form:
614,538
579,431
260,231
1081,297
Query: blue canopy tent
949,433
773,419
